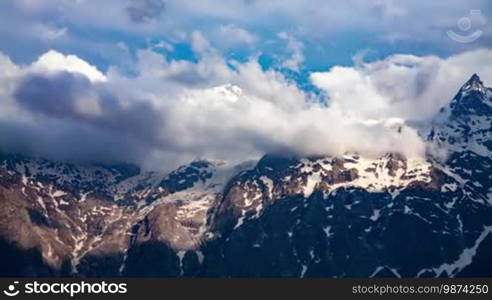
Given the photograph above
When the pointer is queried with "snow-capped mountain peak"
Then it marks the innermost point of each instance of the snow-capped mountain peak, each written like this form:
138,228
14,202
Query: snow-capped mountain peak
472,99
466,123
474,83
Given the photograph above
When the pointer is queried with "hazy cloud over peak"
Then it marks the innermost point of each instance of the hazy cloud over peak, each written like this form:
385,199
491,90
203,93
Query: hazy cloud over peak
158,119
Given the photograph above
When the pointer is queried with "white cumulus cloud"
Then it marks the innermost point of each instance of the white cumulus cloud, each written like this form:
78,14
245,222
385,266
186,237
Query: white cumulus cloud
402,86
55,61
173,111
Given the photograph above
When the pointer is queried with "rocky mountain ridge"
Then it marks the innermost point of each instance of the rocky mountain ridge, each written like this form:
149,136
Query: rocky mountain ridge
277,217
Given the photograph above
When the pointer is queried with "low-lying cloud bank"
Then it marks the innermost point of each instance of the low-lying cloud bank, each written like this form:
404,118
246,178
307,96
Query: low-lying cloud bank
171,112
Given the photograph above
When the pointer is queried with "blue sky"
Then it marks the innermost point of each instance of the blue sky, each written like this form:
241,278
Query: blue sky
327,33
162,82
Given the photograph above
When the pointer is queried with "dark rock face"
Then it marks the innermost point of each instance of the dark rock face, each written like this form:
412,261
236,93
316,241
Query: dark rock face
187,176
349,216
480,267
152,259
17,262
